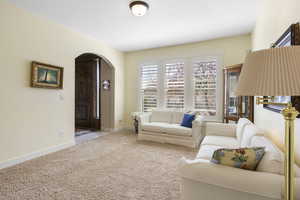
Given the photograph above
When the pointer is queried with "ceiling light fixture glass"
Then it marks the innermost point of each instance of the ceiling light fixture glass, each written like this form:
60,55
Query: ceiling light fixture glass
138,8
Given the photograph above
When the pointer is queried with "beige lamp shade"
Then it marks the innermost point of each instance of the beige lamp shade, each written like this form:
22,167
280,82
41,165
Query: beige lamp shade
271,72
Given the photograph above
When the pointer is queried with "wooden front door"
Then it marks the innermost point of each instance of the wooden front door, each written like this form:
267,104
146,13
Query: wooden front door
86,95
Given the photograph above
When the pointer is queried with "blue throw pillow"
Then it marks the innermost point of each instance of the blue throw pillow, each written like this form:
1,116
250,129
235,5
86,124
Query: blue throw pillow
187,120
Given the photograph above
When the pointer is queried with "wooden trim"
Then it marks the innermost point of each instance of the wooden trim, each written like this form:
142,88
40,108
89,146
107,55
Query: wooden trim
234,66
231,118
296,34
229,69
294,29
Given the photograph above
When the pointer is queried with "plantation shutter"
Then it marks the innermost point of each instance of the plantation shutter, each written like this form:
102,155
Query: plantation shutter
205,87
174,85
149,85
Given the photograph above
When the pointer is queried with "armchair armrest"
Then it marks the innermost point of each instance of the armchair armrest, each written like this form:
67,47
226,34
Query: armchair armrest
253,182
220,129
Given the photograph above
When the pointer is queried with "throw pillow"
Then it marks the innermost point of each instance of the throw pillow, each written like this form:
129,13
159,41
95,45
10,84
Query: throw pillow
187,120
243,158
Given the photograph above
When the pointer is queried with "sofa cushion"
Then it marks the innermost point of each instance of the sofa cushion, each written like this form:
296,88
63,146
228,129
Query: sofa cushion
187,120
177,117
273,160
263,141
161,116
176,129
220,129
225,142
270,163
243,158
206,151
240,128
249,132
152,126
296,169
166,128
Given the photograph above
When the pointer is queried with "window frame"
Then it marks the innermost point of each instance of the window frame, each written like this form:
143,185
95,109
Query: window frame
163,76
219,85
139,87
189,91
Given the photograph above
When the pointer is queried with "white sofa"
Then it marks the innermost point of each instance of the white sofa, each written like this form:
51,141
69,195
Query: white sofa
202,179
164,127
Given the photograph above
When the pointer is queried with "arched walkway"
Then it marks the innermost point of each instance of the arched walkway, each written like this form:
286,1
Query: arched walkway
94,93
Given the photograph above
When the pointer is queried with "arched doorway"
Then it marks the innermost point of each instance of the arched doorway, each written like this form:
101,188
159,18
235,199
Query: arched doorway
94,94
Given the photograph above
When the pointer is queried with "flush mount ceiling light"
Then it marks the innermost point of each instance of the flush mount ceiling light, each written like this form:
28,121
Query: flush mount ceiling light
138,8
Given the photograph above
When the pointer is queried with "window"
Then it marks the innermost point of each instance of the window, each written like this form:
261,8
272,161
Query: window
149,87
205,87
185,85
174,85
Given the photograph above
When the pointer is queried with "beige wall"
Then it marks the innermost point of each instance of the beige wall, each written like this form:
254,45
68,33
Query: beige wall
274,18
231,49
31,119
107,97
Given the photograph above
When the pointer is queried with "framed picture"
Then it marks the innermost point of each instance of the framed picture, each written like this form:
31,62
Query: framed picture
290,37
46,76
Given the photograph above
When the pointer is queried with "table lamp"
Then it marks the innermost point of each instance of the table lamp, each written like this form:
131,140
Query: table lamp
275,72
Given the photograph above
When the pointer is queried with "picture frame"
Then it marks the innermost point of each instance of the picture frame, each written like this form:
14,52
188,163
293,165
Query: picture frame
46,76
290,37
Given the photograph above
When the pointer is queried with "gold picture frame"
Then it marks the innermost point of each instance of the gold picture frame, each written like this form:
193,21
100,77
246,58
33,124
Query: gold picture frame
46,76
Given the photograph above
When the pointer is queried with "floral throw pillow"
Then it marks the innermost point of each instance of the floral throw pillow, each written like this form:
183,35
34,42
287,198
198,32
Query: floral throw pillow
243,158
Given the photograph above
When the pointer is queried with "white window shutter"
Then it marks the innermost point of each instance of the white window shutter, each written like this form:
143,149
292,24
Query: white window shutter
149,87
174,85
205,87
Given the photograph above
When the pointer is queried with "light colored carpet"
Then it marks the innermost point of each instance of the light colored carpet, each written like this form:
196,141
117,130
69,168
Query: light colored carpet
88,136
111,167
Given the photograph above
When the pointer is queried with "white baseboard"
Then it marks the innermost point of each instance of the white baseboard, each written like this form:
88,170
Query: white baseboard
108,129
129,128
36,154
114,129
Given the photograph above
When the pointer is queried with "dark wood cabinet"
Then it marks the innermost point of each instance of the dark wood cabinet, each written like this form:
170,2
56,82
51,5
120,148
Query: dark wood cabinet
235,107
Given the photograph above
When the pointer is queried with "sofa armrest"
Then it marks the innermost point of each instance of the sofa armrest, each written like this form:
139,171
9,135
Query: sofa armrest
297,188
199,121
220,129
198,129
143,118
253,182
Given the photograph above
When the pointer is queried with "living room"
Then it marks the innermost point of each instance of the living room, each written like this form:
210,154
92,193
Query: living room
137,61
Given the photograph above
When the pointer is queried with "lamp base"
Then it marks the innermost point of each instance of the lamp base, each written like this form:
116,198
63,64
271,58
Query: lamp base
289,113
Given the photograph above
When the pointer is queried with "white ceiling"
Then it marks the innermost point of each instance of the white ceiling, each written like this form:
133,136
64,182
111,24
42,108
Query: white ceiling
168,22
